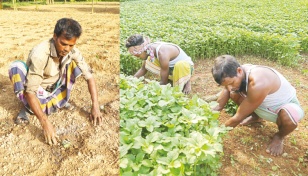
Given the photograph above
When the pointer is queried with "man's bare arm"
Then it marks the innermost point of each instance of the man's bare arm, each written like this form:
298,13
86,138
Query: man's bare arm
164,72
222,100
95,116
255,96
49,132
142,71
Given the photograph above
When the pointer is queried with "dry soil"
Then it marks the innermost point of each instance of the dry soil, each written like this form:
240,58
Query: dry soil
90,150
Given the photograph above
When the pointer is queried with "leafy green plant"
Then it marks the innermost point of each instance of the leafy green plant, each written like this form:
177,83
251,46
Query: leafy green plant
163,132
129,65
231,107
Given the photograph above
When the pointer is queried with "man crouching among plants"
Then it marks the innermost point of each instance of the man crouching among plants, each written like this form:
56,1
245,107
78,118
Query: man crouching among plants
260,92
165,59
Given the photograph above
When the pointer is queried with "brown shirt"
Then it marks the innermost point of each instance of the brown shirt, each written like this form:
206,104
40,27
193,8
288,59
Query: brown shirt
45,68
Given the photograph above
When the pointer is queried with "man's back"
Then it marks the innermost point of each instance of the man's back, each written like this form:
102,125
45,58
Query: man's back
269,82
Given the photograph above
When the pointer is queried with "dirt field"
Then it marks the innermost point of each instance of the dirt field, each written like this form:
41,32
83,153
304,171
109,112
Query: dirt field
244,146
91,150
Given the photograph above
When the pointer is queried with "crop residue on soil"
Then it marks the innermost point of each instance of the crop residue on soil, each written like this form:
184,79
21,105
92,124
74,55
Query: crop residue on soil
83,149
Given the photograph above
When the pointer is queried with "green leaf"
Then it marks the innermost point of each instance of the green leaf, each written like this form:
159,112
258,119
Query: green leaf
129,173
124,149
175,164
147,163
176,108
139,142
162,103
123,163
139,157
163,160
135,167
163,170
150,123
153,137
148,149
143,170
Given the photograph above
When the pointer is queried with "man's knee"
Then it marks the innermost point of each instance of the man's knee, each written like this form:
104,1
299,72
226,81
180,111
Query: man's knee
291,112
285,119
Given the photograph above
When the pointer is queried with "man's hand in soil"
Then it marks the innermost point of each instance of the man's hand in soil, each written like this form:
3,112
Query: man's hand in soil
49,132
96,116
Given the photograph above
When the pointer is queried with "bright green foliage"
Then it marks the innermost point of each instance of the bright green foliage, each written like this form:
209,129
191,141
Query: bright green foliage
162,132
129,64
275,29
231,107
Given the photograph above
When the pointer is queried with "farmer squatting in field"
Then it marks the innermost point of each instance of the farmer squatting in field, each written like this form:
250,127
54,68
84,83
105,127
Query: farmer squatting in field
165,59
45,81
259,92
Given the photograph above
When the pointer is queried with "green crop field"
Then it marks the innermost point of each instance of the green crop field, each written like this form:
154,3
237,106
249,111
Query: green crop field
271,29
162,132
159,131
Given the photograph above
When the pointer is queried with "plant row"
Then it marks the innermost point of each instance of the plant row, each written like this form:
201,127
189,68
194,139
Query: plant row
276,30
162,132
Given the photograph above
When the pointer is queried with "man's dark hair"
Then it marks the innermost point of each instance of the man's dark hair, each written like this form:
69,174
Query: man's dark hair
68,27
134,40
224,66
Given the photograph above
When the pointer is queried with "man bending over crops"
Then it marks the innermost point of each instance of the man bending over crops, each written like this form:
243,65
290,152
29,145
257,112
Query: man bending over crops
45,81
165,59
259,91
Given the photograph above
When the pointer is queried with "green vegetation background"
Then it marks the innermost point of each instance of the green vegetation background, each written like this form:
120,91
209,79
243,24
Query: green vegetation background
275,30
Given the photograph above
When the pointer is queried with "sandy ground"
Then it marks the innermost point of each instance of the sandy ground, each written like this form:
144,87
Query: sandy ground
91,150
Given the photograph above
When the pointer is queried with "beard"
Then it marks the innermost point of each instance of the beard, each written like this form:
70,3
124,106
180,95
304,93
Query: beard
242,87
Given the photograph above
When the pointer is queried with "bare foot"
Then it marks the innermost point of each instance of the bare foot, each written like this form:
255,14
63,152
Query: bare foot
275,148
187,88
212,97
254,118
22,117
69,106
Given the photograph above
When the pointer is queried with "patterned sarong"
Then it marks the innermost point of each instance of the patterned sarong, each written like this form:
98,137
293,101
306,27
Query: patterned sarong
50,101
180,74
